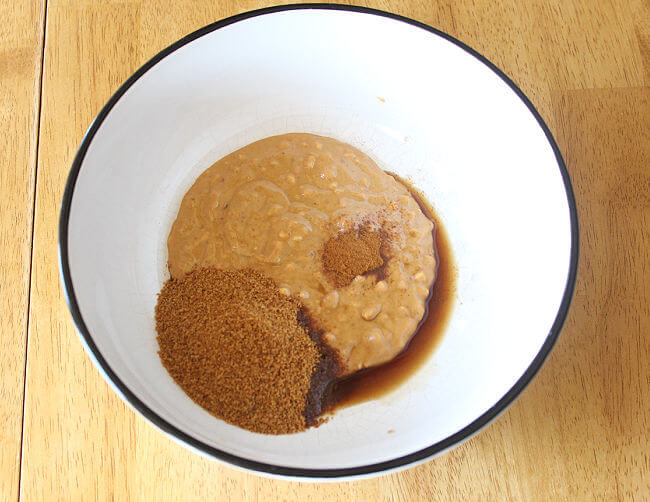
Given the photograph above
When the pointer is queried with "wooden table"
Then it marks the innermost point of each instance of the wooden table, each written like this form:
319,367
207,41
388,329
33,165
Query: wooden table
579,432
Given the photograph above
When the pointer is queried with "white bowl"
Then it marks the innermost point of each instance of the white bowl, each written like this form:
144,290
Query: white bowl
420,103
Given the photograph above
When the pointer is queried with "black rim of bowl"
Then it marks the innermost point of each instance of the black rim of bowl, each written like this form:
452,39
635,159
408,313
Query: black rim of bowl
395,463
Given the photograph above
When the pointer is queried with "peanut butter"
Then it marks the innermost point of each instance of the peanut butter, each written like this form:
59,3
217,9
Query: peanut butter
275,204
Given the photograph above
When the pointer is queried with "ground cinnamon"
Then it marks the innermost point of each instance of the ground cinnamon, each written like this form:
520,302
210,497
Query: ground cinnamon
243,351
352,253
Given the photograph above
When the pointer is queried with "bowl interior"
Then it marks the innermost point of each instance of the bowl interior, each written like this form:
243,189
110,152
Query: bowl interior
419,106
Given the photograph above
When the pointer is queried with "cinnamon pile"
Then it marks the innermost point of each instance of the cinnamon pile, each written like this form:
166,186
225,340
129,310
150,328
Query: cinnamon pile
352,253
243,351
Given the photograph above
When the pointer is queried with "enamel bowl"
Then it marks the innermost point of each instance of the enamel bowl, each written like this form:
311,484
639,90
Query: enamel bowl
421,104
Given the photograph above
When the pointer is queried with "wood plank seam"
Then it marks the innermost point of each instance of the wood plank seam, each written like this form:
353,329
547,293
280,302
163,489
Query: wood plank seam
31,241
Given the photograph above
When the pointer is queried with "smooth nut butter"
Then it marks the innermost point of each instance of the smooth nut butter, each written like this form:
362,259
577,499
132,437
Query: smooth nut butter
275,204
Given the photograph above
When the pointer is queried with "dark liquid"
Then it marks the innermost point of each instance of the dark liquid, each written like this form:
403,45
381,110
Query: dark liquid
376,382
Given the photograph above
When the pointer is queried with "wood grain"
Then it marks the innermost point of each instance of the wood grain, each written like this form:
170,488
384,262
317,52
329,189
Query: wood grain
579,432
21,43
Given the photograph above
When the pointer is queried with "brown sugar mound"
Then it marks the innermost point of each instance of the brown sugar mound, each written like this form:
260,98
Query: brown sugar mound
242,350
352,253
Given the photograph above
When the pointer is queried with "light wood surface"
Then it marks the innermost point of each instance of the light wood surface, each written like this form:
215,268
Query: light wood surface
580,430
